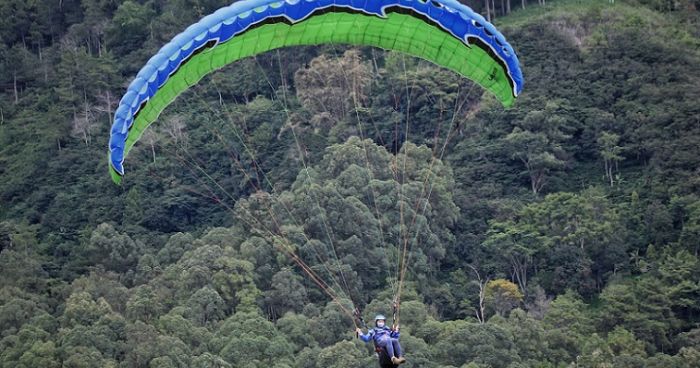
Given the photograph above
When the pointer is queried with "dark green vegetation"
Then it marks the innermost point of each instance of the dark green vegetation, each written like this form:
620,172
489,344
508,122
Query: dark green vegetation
576,212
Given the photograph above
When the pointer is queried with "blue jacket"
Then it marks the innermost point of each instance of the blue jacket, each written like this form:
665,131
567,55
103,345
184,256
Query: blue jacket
377,334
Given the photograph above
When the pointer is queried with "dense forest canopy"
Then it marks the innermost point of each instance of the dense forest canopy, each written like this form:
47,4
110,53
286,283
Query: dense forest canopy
561,232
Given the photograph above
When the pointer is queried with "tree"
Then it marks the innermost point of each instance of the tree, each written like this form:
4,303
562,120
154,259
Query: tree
208,360
529,337
176,325
235,283
568,312
82,309
354,190
488,10
679,273
287,293
106,103
624,343
133,207
539,304
129,27
333,88
146,346
502,295
576,239
175,248
84,123
641,307
16,67
344,354
206,306
567,322
537,142
518,244
481,311
111,249
528,147
248,338
151,138
41,354
611,154
21,261
298,330
175,128
595,353
690,233
488,344
144,304
82,357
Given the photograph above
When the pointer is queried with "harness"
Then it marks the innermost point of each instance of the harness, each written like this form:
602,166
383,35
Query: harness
378,349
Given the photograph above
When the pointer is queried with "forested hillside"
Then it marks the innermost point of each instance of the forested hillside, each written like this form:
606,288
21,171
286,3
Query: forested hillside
280,193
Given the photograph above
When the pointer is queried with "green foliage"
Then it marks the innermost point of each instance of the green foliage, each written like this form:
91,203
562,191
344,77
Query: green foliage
486,344
643,307
560,237
502,295
112,250
128,28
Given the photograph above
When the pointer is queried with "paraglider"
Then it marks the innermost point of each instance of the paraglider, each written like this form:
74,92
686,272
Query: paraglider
445,32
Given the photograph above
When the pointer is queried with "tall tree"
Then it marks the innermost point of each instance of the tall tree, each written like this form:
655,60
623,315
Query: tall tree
538,143
611,153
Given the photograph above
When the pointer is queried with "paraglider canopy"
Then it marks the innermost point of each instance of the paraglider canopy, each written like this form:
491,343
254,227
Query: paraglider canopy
445,32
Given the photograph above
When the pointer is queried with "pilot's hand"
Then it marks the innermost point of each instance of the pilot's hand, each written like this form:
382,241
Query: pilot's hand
358,331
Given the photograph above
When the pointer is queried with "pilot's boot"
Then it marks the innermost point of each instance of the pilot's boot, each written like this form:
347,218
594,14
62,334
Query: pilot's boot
399,360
